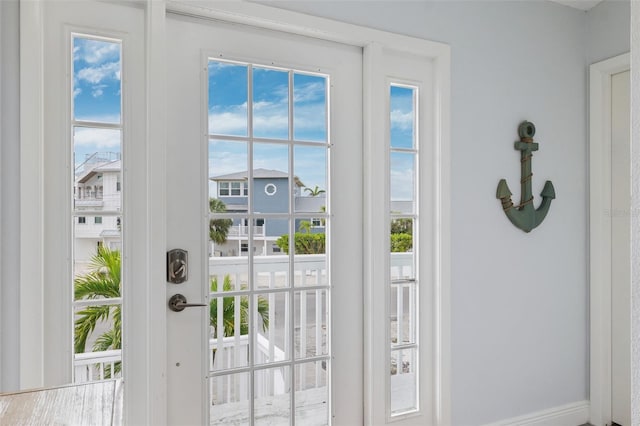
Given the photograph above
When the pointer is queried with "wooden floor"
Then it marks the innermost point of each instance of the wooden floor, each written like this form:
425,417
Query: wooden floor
98,403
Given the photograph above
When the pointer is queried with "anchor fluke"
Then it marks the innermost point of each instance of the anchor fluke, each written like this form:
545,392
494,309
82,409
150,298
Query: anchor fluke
504,194
548,191
524,216
503,190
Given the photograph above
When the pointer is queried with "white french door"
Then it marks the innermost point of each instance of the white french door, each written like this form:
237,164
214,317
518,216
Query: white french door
264,146
240,152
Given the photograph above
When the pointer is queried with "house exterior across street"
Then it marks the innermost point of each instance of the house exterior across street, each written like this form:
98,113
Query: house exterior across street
97,188
270,196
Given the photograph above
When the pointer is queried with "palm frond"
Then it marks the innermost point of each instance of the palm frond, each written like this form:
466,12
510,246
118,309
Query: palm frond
229,310
86,323
100,282
95,286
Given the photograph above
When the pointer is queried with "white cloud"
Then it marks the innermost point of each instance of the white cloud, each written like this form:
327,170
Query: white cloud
401,185
309,92
96,51
226,163
76,91
402,176
95,75
271,156
96,138
271,117
230,122
310,117
402,120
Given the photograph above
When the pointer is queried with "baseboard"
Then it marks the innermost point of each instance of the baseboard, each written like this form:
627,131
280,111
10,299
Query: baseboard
573,414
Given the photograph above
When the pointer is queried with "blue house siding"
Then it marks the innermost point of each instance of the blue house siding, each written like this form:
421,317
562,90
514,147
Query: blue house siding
271,195
278,202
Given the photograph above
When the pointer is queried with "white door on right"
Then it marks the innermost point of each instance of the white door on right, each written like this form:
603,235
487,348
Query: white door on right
620,251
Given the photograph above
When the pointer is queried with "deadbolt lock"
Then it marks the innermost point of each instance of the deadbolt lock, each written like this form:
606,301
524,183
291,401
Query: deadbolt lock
177,266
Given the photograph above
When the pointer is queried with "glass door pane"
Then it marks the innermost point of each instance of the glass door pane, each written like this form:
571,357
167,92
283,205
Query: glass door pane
272,353
97,221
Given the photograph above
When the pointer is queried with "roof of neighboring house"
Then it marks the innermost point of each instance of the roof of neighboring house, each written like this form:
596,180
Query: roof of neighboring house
257,174
112,166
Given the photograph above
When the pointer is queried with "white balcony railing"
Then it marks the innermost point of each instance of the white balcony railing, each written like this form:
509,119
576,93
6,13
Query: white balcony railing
243,231
89,202
310,332
95,366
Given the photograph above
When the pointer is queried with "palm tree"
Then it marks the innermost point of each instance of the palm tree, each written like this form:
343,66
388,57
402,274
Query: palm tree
315,191
100,282
228,310
218,228
304,226
298,182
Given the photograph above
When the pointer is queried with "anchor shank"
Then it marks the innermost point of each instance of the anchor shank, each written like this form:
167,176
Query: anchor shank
526,147
525,178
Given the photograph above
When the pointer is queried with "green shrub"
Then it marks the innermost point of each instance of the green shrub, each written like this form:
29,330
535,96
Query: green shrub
305,243
401,243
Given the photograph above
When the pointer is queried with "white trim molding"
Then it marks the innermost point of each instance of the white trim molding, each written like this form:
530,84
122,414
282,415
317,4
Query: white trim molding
573,414
384,65
600,235
32,195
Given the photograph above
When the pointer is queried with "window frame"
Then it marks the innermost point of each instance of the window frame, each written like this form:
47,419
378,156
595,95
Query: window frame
242,188
395,66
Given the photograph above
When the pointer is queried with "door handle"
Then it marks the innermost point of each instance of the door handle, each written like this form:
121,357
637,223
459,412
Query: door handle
178,302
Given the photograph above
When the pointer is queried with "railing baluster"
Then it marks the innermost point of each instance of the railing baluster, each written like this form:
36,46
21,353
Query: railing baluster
412,312
220,352
303,333
400,312
319,316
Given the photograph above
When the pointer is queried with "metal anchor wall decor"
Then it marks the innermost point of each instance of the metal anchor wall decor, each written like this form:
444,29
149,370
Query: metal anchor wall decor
524,216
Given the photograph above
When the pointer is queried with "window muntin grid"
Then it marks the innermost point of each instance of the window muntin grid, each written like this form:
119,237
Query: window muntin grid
402,325
96,214
276,140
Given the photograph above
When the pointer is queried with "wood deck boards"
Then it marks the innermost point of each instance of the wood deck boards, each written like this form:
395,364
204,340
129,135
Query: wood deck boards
96,403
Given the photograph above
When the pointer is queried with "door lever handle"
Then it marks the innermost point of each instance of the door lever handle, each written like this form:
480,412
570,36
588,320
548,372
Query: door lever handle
178,302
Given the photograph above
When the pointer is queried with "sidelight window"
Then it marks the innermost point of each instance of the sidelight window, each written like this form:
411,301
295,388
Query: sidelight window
96,139
403,279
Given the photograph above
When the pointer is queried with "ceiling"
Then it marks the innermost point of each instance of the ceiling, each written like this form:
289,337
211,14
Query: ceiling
578,4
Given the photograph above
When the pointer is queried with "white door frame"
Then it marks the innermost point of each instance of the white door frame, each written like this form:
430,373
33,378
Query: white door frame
600,234
145,394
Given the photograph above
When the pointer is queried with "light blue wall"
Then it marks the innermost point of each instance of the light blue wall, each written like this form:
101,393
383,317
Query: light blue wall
608,30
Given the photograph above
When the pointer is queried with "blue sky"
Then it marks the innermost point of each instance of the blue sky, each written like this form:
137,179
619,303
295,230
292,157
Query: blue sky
402,120
97,98
96,95
228,115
